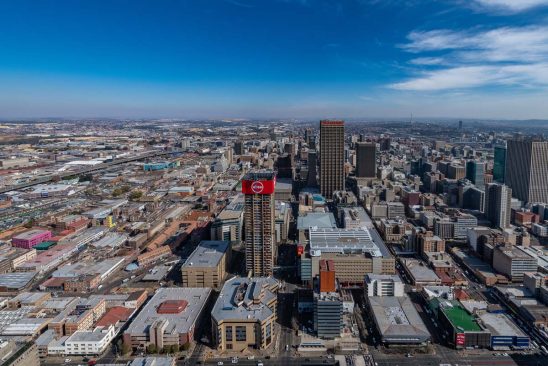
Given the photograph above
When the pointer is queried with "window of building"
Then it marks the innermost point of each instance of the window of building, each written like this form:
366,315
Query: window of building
228,334
240,334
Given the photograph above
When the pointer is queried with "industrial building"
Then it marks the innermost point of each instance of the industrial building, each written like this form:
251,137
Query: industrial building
30,238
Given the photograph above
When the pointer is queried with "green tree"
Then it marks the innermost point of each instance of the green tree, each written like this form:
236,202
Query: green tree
126,348
186,346
29,224
135,195
152,348
116,192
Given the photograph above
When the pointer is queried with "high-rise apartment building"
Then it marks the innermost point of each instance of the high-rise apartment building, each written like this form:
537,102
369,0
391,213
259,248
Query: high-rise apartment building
366,159
331,157
499,164
498,204
527,170
259,217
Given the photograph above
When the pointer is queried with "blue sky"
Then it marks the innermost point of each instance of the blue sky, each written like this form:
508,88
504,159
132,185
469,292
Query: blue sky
274,58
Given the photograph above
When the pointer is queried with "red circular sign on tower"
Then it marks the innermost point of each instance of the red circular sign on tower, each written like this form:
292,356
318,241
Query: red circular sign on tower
257,186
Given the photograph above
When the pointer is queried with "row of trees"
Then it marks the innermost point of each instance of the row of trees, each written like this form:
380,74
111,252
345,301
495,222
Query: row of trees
134,195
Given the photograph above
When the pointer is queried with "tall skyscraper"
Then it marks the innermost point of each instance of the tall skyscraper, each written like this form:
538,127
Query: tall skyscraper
238,148
366,160
310,138
259,216
499,164
331,157
385,143
527,170
475,173
498,204
312,168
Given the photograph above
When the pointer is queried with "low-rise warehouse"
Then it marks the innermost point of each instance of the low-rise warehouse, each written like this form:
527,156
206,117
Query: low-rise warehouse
397,320
504,333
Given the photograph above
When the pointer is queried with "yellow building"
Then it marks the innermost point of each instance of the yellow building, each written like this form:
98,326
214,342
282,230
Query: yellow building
245,314
206,266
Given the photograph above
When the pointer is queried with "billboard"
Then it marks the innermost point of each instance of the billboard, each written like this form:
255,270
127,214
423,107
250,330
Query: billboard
258,186
459,339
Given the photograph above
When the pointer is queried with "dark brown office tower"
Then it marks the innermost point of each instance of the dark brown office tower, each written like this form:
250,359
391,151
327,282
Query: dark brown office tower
385,143
366,159
331,157
285,166
239,148
259,216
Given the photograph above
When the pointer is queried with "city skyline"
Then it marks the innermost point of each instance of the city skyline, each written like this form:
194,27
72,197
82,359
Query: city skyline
280,59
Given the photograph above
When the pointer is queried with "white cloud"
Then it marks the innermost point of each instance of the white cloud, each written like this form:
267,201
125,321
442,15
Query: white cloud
531,76
512,44
427,61
508,56
513,6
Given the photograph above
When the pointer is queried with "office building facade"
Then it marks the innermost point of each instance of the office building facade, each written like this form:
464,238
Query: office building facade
499,164
527,170
475,173
498,204
331,157
366,166
328,315
312,180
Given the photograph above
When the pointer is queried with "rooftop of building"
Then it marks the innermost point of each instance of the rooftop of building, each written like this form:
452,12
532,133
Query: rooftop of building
396,315
347,241
500,325
82,268
420,271
245,299
152,361
459,317
382,277
207,254
260,175
514,252
96,335
316,220
180,322
27,235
